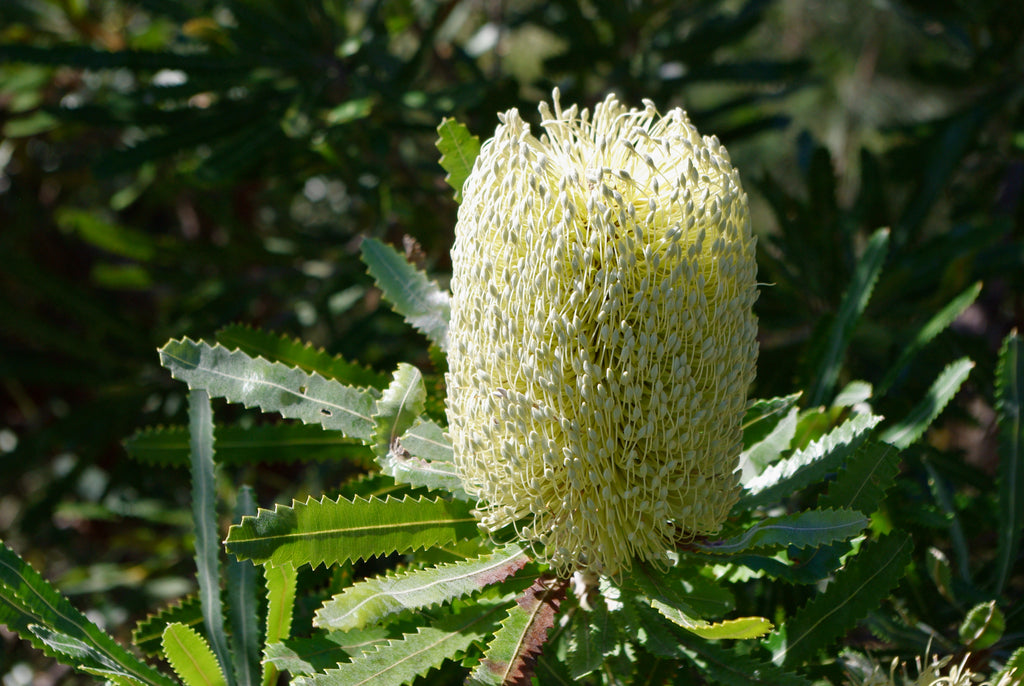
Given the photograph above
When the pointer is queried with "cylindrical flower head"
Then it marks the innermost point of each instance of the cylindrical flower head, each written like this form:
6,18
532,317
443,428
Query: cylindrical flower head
602,337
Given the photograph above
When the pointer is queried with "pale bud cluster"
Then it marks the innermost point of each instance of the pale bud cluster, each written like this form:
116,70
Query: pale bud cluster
602,337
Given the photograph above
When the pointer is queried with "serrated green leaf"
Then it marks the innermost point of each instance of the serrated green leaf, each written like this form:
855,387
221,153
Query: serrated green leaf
762,416
333,531
861,584
509,657
398,407
401,661
204,517
281,585
663,638
149,632
693,594
864,479
754,459
426,440
594,635
1012,673
422,457
807,529
932,328
810,464
190,657
26,600
854,301
167,446
418,299
81,655
912,427
983,626
1010,420
459,149
271,386
370,601
321,652
242,610
295,353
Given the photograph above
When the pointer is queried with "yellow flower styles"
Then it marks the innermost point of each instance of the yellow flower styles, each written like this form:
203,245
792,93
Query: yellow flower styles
602,337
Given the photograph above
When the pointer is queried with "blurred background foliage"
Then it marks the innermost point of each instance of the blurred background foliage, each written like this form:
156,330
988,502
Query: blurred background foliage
168,167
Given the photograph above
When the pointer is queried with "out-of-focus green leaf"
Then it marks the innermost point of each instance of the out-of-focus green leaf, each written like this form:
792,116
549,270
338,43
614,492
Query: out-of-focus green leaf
1010,420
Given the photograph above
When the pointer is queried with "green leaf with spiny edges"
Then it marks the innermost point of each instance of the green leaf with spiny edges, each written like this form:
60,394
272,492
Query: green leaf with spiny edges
863,582
422,456
663,638
855,300
242,597
807,529
149,632
296,353
190,657
81,655
1012,671
459,150
398,407
271,386
862,482
810,464
426,440
767,450
281,585
27,600
906,431
762,416
324,651
329,531
932,328
204,517
370,601
167,446
698,595
509,657
418,299
414,655
1010,475
595,633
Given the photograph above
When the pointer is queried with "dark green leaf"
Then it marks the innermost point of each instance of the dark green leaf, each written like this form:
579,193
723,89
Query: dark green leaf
912,427
1010,420
459,149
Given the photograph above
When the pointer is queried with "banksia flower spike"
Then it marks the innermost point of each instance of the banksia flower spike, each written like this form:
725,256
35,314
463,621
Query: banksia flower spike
602,338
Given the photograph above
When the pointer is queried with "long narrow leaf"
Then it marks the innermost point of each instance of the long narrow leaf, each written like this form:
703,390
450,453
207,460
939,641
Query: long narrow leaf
810,464
932,328
191,658
281,585
273,387
149,632
855,300
370,601
511,654
204,515
1010,420
866,579
333,531
421,301
808,529
242,597
862,482
401,661
295,353
27,600
913,426
167,446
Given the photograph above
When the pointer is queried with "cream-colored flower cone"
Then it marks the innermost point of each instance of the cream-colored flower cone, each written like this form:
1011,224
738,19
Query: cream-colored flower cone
602,338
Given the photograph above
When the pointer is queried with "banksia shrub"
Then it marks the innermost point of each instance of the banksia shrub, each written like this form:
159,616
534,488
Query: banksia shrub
602,338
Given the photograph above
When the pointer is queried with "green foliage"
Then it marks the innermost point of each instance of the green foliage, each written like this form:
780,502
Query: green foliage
191,657
1010,405
459,149
862,583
